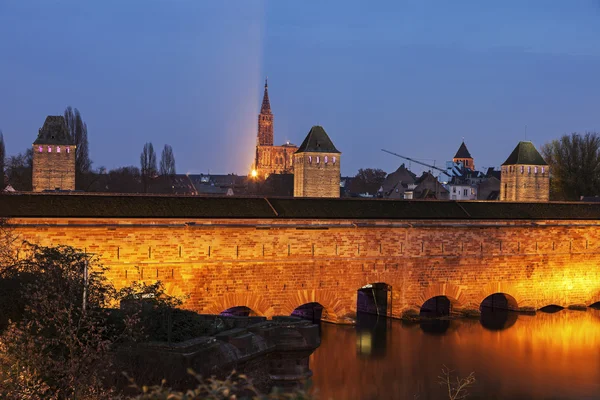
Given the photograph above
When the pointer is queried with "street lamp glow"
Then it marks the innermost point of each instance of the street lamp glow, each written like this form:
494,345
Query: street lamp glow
254,173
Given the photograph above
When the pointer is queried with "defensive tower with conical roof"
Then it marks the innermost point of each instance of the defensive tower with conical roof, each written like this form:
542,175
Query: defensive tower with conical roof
317,166
270,159
463,156
53,157
525,176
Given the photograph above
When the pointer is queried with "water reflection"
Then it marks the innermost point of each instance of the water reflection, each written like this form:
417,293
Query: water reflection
497,319
514,356
435,326
371,333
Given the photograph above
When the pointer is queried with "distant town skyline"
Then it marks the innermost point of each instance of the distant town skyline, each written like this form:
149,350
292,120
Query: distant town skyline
410,77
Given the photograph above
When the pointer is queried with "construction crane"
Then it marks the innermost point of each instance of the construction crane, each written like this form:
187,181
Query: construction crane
415,161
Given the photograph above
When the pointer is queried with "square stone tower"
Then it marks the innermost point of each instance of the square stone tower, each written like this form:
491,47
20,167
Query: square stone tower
317,166
525,176
53,157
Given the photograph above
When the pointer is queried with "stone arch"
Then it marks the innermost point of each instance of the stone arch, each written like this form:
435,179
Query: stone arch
374,298
595,302
453,292
253,301
551,308
311,311
335,306
506,288
241,311
438,306
499,300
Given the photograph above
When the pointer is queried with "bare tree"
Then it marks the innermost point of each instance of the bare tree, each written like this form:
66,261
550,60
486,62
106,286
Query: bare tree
367,180
79,136
457,389
18,170
167,161
574,165
148,164
2,160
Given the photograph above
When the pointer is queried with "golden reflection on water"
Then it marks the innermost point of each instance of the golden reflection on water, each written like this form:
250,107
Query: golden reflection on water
535,357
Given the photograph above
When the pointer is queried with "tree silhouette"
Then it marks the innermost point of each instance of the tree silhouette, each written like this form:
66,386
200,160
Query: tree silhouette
2,160
167,161
367,180
78,132
574,166
148,164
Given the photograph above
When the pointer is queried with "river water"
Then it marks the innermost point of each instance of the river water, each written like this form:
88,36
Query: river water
513,356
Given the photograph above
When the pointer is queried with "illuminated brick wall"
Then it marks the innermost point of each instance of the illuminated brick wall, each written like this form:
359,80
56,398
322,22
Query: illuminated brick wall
275,266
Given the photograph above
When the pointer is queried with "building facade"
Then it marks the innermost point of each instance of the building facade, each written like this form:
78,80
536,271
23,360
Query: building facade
53,157
270,159
317,166
525,176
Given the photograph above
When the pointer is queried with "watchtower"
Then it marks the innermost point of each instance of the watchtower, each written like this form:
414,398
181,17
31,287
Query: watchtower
317,166
525,176
53,157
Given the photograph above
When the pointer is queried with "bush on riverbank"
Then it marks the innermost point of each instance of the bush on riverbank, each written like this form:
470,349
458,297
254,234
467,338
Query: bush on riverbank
58,328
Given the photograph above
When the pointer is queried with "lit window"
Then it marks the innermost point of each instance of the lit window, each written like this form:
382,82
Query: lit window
333,159
68,149
58,149
310,159
535,170
40,149
522,169
318,159
49,149
543,170
325,159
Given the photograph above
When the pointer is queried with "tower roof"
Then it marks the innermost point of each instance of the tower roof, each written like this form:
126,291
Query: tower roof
54,131
266,104
463,152
317,140
525,153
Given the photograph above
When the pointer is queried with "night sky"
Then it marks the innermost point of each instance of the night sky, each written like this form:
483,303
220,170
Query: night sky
413,77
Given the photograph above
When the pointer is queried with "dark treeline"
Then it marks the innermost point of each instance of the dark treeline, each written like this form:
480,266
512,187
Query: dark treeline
16,169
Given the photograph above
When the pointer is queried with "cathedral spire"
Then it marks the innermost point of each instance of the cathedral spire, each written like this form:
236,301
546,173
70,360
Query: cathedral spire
266,105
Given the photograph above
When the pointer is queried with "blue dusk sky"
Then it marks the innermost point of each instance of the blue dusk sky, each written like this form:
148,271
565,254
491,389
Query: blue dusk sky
412,76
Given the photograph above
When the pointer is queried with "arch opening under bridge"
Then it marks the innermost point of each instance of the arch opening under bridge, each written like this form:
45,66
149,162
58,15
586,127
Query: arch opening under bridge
375,298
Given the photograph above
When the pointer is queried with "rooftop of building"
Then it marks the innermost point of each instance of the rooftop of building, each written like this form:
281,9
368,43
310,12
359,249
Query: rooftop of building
525,154
54,131
317,141
75,205
463,152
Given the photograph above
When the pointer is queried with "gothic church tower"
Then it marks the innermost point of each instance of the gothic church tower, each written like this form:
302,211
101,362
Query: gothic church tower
270,159
265,121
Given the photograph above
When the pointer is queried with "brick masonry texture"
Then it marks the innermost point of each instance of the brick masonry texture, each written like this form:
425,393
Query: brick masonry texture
312,179
274,266
53,169
529,185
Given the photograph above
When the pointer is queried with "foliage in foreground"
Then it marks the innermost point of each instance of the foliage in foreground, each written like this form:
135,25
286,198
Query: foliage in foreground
235,386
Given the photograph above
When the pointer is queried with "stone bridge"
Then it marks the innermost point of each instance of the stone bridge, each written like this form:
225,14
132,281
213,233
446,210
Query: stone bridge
273,256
